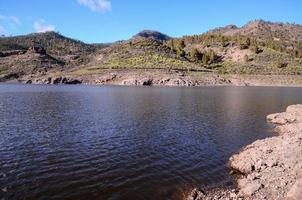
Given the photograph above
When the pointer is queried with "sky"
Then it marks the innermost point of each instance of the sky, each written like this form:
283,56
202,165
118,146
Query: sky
97,21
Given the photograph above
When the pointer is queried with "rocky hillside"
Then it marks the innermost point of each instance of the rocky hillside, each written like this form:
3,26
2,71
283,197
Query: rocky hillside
264,30
53,42
259,47
42,52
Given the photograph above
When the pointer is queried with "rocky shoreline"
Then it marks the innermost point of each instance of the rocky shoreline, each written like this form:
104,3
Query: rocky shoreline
270,168
158,78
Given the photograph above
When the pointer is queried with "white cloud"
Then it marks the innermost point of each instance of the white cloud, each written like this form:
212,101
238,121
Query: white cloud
13,19
41,27
96,5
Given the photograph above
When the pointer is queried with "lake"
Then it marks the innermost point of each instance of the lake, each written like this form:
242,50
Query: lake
89,142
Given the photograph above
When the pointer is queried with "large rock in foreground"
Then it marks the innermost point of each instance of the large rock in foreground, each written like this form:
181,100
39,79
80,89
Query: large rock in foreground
271,168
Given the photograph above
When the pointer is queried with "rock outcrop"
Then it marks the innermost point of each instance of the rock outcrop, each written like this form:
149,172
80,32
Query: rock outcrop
11,53
54,80
270,168
35,49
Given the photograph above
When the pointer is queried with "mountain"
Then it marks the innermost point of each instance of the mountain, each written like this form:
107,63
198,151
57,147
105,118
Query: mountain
53,42
264,30
149,34
259,47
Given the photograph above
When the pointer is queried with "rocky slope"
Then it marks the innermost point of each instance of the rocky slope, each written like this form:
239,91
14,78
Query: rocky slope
270,168
16,63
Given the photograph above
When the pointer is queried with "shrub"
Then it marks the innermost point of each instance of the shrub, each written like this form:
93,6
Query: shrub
195,55
255,49
181,45
209,57
281,64
244,42
181,53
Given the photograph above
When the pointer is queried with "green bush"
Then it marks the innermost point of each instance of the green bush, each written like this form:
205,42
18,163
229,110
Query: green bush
195,55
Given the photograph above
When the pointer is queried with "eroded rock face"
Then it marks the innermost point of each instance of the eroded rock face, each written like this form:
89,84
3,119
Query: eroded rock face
54,80
272,167
138,81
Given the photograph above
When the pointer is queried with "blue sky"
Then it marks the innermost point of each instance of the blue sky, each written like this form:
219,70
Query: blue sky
111,20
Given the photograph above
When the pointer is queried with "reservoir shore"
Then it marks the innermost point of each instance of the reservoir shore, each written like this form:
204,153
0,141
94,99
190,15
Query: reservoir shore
160,78
270,168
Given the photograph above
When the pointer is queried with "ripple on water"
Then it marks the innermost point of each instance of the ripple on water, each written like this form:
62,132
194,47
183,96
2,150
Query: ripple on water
82,142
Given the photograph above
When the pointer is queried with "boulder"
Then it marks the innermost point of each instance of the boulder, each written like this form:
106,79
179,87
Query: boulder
146,82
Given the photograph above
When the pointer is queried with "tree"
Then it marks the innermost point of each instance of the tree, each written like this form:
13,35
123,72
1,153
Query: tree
212,56
209,57
244,42
255,49
205,58
195,55
181,53
179,47
246,58
181,44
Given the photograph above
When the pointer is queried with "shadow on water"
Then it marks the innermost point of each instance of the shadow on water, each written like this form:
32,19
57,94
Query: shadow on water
86,142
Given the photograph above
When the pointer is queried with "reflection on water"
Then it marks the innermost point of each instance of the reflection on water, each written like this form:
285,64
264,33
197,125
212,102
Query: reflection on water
85,142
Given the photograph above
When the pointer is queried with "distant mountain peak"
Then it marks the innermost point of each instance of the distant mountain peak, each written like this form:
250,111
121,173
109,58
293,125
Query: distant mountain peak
231,26
261,29
152,34
224,29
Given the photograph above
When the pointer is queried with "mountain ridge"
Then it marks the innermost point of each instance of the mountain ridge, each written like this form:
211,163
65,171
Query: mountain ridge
261,29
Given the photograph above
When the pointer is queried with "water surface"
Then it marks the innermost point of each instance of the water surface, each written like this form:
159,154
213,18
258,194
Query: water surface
87,142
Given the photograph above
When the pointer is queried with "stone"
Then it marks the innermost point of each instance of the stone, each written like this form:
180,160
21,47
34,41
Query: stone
146,82
250,188
4,189
295,192
197,194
